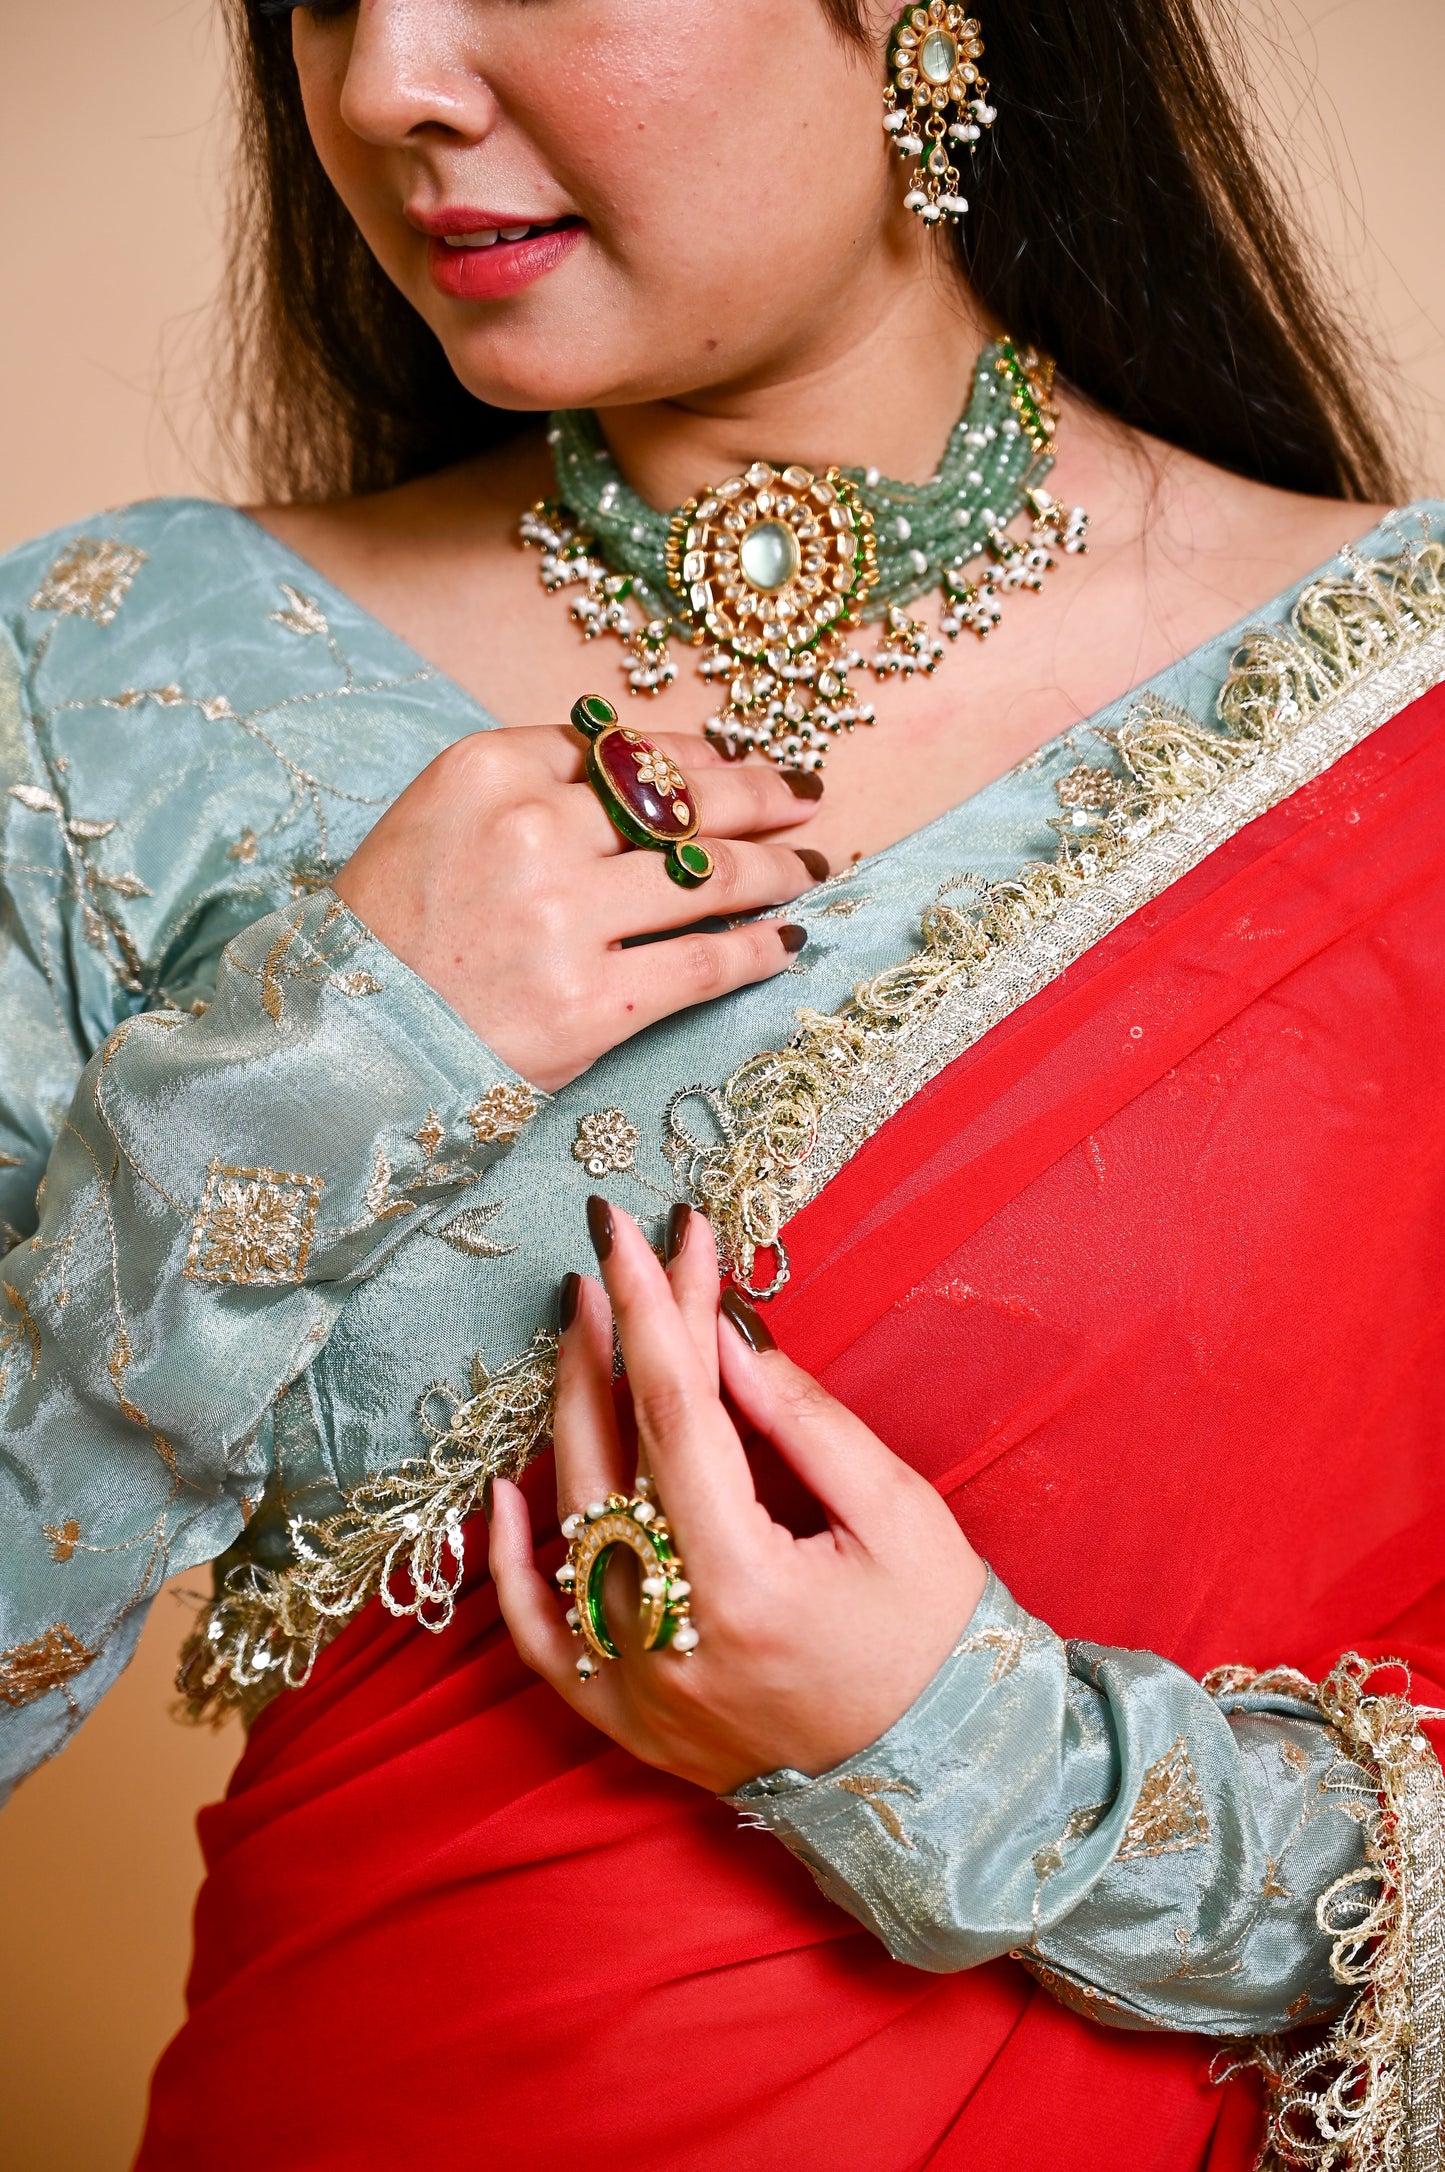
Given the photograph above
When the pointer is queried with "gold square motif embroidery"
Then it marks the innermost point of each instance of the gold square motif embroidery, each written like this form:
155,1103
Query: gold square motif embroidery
255,1225
47,1662
89,580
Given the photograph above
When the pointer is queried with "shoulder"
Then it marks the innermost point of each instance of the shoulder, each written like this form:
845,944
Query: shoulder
88,569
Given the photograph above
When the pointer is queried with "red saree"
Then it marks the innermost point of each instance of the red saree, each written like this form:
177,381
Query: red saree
1149,1284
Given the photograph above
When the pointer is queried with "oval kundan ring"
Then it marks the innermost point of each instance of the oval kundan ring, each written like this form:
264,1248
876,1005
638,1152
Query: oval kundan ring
647,797
639,1526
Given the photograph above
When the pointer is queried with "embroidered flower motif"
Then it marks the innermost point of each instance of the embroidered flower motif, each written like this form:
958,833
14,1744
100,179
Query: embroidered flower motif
47,1662
501,1113
304,615
254,1226
1168,1816
63,1537
89,580
873,1790
606,1142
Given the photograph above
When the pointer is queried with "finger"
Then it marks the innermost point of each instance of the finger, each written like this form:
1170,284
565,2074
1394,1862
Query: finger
735,799
654,980
692,1447
531,1607
690,1257
637,894
730,801
844,1465
585,1444
745,799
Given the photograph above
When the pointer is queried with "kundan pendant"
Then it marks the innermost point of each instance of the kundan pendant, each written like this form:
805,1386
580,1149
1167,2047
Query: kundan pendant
773,568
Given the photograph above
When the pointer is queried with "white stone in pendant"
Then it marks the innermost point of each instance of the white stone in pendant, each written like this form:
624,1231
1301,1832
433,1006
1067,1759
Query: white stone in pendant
769,556
937,57
686,1638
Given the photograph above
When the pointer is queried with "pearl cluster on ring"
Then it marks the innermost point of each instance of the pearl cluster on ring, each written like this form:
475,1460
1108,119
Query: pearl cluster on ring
665,1596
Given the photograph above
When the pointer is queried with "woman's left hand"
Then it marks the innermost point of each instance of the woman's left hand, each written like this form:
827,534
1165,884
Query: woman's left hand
808,1648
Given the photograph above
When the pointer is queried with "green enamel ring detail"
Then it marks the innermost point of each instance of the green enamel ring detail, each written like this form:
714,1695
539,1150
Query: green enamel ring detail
638,1526
647,798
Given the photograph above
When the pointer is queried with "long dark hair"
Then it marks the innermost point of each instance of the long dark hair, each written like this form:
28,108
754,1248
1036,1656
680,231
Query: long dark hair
1120,221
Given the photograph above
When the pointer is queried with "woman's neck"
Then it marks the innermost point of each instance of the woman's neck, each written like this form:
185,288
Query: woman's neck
880,386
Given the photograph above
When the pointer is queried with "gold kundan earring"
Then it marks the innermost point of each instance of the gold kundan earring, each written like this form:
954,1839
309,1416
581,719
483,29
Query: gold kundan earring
936,102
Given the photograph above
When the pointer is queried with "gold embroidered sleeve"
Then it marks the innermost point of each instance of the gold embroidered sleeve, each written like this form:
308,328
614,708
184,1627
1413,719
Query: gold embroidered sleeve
218,1187
1155,1859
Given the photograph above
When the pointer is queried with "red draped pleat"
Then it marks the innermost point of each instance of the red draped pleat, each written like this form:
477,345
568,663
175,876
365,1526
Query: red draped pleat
1149,1285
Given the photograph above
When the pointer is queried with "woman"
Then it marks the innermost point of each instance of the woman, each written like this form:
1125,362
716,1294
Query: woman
1055,1069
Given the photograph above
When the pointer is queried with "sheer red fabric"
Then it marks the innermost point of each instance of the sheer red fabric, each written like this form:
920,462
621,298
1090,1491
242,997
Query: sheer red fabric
1149,1285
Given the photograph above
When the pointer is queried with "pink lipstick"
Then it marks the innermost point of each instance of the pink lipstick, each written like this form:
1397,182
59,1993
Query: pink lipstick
477,256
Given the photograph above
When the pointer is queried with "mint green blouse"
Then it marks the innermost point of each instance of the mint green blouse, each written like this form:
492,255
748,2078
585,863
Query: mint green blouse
273,1216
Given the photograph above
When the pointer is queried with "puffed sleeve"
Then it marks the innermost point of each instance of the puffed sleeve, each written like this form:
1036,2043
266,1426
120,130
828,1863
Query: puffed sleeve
183,1212
1236,1857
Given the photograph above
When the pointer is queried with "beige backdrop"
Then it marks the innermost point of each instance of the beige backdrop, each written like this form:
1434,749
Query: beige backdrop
112,156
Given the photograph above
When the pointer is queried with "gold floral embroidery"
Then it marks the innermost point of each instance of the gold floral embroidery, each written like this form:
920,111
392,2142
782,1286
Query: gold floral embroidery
1361,645
63,1537
401,1537
89,580
502,1113
1007,1645
874,1791
430,1133
606,1143
47,1662
465,1232
1168,1815
254,1226
26,1327
303,615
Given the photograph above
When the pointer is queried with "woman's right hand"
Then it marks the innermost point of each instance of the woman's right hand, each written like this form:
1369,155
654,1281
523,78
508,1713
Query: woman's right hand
497,876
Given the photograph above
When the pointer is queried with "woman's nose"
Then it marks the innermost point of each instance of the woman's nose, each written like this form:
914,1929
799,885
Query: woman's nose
412,70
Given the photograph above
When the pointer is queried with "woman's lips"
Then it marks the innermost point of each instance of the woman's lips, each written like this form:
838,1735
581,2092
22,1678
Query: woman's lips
488,272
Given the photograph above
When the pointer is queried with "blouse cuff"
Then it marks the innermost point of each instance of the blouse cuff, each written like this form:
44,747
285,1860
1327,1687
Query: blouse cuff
1097,1814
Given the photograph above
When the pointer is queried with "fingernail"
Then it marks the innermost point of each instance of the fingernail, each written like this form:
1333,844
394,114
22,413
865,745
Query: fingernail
569,1297
749,1323
676,1236
731,751
816,865
487,1491
792,937
803,783
599,1226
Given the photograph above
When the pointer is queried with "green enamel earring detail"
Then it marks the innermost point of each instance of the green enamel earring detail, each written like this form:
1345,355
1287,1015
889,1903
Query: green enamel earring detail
936,102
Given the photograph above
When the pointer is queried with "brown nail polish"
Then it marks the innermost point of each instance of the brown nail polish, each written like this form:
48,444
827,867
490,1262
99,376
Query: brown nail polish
803,783
731,751
793,938
599,1225
676,1236
816,865
569,1297
488,1489
749,1323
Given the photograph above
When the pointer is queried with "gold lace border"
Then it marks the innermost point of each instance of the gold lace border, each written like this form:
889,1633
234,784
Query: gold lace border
1368,2095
